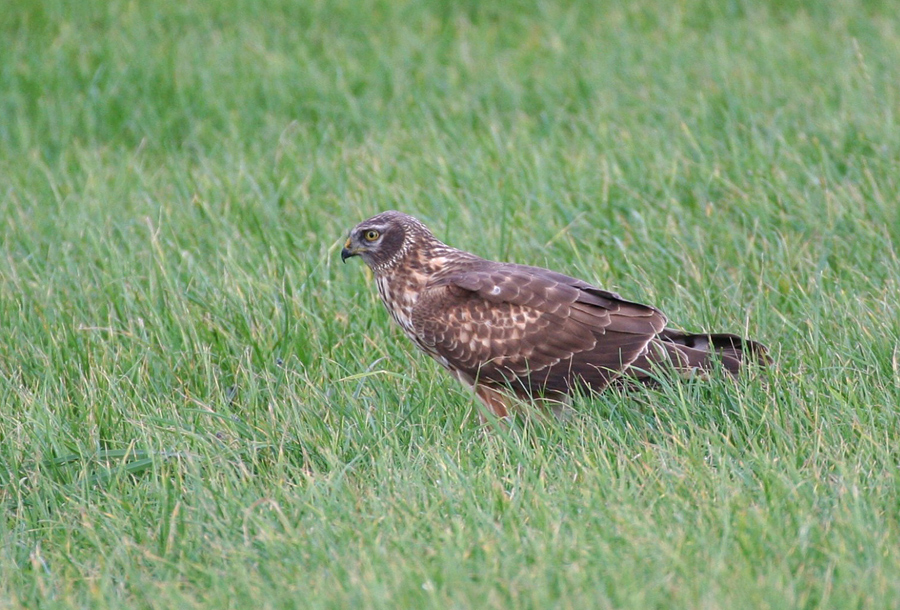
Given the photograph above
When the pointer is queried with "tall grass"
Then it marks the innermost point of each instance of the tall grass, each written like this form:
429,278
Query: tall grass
199,407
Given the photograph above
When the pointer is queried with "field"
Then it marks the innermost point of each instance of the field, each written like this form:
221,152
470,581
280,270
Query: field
200,407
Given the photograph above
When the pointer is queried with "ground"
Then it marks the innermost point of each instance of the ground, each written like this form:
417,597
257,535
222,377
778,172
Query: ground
200,407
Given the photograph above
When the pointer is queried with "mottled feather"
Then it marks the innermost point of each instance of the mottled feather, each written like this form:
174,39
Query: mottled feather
545,331
528,330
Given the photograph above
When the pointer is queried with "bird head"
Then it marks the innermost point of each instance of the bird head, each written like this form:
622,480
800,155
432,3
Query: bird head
382,240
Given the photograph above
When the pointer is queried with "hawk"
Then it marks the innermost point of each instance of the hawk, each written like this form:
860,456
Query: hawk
513,331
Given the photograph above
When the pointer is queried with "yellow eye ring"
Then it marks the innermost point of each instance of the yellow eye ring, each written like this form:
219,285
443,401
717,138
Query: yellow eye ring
371,235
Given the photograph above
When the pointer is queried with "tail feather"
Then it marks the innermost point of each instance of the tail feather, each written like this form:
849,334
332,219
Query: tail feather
689,352
723,344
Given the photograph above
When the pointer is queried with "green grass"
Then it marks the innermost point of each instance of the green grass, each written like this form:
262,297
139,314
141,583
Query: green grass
200,407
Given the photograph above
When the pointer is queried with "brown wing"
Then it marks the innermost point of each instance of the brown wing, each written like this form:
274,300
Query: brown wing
532,328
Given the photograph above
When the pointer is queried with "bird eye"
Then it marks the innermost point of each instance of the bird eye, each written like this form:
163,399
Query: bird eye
372,235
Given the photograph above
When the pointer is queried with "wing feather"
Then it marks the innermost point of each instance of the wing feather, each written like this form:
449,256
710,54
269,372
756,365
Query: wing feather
506,323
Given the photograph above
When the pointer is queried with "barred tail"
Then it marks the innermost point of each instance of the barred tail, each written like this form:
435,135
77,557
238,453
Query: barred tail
692,352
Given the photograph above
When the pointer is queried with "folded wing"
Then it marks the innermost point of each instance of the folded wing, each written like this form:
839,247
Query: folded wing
533,329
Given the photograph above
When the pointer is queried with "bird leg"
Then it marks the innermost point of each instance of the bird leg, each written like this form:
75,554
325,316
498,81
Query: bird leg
503,405
496,402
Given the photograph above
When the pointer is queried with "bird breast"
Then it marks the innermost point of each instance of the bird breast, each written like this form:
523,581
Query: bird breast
399,297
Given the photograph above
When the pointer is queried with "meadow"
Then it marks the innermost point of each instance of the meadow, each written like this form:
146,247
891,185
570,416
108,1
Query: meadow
200,407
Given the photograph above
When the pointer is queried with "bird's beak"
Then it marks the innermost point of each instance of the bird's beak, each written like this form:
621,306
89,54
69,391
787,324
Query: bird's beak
348,251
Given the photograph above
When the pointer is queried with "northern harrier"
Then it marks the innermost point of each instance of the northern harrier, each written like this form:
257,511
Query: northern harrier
506,329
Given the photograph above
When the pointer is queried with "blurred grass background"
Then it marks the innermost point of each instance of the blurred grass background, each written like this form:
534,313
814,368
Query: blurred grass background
200,408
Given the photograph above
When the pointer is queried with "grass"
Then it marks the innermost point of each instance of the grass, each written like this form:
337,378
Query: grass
199,407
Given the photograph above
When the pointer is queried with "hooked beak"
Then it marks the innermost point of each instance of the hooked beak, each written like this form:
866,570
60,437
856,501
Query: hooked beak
348,251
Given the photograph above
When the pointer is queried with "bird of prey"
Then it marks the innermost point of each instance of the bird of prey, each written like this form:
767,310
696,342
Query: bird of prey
517,332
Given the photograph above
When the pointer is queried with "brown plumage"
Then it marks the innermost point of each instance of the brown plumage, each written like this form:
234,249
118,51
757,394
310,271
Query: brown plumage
504,329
